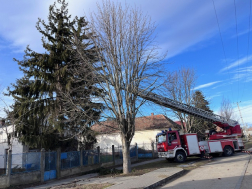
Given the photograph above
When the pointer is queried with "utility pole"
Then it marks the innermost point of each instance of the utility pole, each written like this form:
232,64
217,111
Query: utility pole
244,126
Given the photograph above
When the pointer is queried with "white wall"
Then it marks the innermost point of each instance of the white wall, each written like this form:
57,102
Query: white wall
140,137
17,147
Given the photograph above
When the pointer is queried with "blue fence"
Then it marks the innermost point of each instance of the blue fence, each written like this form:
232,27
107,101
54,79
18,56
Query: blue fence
25,162
106,155
3,164
70,159
132,151
90,157
145,150
50,161
118,152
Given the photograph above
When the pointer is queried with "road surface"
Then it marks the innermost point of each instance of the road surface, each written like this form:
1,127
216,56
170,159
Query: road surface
222,173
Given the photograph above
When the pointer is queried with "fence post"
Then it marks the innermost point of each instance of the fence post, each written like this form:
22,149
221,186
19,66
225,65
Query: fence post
136,152
99,155
81,157
113,154
152,149
8,170
42,164
58,163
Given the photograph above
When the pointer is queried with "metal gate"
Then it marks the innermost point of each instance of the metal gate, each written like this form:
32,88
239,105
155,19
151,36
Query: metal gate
50,165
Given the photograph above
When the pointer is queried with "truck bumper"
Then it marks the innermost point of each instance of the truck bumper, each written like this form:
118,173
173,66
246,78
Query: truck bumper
166,154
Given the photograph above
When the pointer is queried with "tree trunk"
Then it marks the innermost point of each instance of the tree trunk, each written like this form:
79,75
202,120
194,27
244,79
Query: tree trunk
126,155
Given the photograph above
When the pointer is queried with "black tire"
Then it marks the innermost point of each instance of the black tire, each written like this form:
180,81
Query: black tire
180,157
228,151
170,159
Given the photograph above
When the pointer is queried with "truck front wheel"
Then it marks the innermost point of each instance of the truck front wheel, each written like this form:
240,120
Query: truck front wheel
228,151
180,157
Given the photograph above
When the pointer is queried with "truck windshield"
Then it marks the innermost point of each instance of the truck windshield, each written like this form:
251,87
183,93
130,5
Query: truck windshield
161,138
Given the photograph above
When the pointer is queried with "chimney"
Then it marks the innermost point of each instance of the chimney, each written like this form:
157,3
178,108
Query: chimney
152,114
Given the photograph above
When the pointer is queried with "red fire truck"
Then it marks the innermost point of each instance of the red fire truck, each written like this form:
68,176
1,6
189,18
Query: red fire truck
173,145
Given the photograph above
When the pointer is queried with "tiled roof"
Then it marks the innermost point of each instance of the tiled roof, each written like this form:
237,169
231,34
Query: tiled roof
250,129
141,123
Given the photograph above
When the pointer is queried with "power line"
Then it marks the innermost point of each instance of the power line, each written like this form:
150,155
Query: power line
222,43
237,48
248,43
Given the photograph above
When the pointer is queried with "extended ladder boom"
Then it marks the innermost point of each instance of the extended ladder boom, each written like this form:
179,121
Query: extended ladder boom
178,106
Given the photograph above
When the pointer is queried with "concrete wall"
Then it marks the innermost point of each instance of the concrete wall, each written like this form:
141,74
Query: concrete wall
77,170
83,169
25,178
140,137
3,181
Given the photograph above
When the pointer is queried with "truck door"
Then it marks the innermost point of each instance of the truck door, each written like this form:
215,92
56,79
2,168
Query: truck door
173,140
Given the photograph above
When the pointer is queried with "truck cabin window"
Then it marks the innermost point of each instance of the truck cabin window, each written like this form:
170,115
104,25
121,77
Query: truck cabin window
171,137
161,138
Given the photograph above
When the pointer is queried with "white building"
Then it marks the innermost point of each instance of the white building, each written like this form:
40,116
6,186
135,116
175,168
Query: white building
146,129
17,147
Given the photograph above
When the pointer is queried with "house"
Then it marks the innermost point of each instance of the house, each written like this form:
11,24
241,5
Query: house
146,129
17,147
249,131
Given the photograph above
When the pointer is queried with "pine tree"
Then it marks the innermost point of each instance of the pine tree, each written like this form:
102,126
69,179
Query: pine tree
41,117
200,125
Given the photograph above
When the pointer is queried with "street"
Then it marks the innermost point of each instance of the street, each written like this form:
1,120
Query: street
223,172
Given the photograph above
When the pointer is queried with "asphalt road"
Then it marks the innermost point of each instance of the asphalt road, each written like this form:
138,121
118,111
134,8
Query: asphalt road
222,173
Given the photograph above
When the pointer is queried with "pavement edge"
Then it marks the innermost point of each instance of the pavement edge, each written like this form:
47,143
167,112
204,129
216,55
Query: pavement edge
168,179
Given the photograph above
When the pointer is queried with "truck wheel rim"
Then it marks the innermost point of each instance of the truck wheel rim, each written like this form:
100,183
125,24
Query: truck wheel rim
229,151
180,157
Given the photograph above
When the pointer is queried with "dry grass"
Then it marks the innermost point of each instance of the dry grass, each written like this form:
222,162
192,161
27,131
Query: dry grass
248,144
85,186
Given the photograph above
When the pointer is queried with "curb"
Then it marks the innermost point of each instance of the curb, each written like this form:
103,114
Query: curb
168,179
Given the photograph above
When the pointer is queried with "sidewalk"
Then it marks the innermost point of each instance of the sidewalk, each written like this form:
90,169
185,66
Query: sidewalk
148,180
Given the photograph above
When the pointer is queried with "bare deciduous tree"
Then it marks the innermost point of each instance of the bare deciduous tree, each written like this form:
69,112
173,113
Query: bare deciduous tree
226,109
179,87
128,63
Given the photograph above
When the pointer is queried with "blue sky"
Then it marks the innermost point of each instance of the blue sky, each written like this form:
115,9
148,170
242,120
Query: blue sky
188,30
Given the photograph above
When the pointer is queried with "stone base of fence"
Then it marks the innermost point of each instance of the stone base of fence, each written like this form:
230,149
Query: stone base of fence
83,169
25,178
78,170
3,181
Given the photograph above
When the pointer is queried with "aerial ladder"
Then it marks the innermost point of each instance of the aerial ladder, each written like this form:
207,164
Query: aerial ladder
231,127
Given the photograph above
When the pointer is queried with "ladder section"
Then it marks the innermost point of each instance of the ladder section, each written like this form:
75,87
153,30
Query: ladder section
181,107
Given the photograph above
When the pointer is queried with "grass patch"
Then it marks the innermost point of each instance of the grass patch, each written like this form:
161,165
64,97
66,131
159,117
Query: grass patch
248,144
107,171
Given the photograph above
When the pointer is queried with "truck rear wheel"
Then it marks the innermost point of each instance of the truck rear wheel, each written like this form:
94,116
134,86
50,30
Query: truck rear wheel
180,157
228,151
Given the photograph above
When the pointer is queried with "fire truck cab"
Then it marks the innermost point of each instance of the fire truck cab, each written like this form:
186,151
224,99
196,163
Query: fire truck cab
171,145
